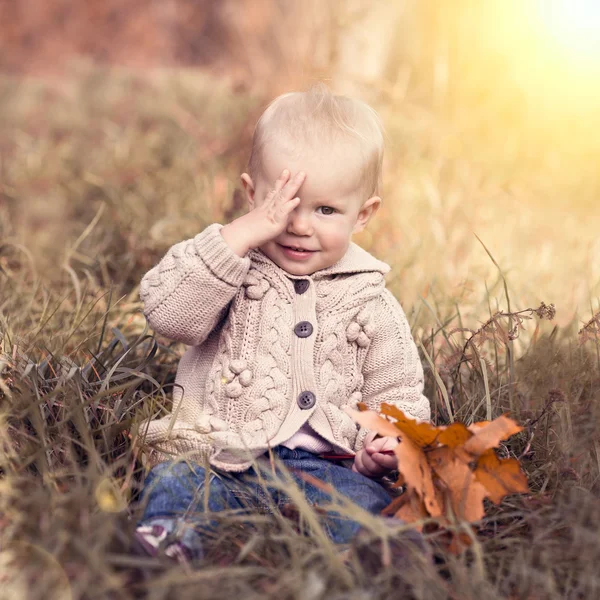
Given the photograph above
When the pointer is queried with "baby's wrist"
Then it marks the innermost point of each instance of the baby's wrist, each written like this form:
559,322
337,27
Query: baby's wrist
236,234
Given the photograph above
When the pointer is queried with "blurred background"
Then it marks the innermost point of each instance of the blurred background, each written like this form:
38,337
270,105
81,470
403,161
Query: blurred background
125,127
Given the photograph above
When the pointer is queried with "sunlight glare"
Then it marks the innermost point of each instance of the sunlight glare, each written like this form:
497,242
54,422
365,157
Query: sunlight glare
574,25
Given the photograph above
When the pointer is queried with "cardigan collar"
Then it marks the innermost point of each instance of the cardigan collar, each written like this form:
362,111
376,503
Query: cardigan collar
356,260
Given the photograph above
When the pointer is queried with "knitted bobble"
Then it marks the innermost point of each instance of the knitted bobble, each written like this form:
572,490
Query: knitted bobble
250,280
246,377
218,424
353,331
365,320
256,287
256,292
369,328
202,424
237,365
233,389
362,329
235,374
363,317
228,375
363,339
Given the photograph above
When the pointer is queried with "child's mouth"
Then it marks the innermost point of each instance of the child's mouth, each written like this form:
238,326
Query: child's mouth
296,253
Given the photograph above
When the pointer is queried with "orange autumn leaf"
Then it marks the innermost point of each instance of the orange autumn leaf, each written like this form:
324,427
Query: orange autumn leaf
395,505
448,471
468,503
416,472
454,435
374,422
500,476
409,507
422,434
400,482
413,511
473,427
461,489
490,435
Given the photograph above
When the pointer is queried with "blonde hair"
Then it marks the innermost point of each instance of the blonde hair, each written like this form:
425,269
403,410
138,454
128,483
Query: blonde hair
319,118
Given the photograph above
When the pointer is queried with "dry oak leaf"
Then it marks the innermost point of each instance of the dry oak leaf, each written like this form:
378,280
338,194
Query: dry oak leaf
461,489
490,435
408,507
412,462
416,472
454,435
374,422
500,476
422,434
447,470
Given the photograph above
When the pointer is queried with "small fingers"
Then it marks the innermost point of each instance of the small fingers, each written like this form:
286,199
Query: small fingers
285,189
370,437
381,444
385,461
375,465
390,443
285,175
359,464
370,465
279,185
293,185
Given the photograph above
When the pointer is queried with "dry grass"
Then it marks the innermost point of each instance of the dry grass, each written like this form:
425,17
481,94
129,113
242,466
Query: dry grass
101,174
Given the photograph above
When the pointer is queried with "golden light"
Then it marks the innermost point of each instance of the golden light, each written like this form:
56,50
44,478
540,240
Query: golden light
574,25
541,57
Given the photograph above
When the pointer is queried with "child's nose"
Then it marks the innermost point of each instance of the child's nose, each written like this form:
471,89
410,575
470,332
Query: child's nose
299,223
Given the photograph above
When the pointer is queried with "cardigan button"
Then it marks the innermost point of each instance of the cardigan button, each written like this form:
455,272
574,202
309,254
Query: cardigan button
301,285
306,400
303,329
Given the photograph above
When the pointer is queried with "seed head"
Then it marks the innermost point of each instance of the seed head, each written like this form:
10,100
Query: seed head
546,312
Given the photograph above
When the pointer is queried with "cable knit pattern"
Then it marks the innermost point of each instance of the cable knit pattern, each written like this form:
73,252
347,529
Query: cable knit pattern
249,381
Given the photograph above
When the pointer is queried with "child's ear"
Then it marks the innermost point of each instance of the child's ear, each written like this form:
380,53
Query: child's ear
248,189
368,210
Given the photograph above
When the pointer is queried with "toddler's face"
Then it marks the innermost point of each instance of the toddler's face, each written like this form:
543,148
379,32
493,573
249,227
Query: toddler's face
331,206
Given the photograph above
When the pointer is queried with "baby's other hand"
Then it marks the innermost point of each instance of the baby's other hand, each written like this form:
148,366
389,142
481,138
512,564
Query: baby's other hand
370,462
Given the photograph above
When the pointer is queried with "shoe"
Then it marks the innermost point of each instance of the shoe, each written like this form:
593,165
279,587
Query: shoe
155,540
148,538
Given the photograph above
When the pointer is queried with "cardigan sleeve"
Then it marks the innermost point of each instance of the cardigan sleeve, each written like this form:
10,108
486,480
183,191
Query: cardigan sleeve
189,291
392,370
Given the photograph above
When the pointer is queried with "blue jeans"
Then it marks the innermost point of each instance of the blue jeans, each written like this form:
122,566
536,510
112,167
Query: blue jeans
177,492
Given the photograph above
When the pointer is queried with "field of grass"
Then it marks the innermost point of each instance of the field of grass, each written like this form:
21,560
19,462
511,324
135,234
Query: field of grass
101,172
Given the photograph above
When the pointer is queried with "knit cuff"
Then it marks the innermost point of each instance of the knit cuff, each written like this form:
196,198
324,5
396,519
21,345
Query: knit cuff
219,257
152,430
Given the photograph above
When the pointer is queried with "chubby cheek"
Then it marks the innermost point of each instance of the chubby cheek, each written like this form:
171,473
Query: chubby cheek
336,241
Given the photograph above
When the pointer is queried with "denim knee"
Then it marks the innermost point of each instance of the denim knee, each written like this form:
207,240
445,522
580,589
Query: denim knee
368,493
170,489
179,489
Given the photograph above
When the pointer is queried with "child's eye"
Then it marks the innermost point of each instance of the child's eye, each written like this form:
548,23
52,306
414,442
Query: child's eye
328,208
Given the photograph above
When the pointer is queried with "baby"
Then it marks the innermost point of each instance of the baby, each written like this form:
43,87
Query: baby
289,323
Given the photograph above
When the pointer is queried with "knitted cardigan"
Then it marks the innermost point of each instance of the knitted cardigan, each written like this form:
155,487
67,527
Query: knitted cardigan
253,376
